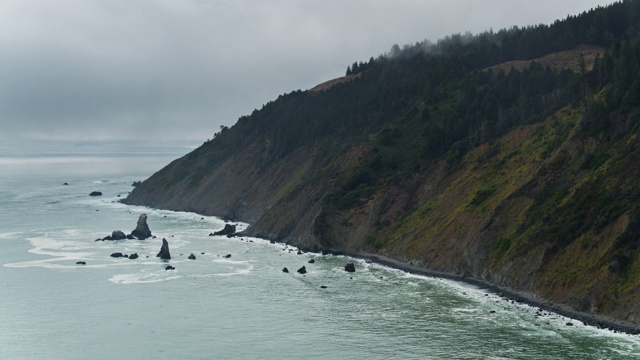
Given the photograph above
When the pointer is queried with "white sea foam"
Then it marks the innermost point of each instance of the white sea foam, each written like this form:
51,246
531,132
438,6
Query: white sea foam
10,235
144,278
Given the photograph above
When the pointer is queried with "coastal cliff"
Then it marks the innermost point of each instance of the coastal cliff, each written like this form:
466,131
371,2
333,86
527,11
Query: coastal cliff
507,157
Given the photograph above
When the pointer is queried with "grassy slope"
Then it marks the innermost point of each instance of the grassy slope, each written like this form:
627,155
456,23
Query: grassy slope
528,211
539,210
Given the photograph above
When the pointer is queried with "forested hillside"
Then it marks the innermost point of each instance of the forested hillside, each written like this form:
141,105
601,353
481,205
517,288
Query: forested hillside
509,157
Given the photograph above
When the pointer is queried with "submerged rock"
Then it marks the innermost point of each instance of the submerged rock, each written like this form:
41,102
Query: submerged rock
169,267
164,250
81,263
350,267
117,255
227,256
95,193
312,261
142,229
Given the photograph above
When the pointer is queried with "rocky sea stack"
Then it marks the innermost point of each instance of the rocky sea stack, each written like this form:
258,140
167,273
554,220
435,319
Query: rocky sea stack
142,229
228,230
164,250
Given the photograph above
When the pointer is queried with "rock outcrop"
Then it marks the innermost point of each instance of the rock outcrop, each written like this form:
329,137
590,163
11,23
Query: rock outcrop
118,235
95,193
192,257
229,229
164,253
117,255
142,231
302,270
133,256
350,267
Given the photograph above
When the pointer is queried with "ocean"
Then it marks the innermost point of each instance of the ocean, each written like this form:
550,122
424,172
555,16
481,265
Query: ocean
219,307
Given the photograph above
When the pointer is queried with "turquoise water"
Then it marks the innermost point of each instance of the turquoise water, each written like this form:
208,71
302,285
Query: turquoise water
242,307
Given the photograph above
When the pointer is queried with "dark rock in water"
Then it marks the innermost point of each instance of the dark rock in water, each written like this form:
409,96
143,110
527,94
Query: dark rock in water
323,286
192,257
350,267
95,193
227,256
312,261
117,255
131,237
133,256
202,253
300,252
118,235
108,237
99,239
164,250
228,230
81,263
302,270
569,324
65,184
285,270
169,267
142,229
125,255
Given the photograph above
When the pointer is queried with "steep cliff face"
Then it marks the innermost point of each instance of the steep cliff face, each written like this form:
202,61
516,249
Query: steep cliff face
526,178
542,209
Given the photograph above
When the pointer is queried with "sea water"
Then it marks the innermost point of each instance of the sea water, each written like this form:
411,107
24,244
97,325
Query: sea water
218,307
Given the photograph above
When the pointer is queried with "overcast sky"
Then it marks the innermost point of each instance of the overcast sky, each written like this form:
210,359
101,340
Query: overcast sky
90,71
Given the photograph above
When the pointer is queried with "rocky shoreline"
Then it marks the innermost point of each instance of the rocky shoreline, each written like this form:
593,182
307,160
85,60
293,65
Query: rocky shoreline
529,299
